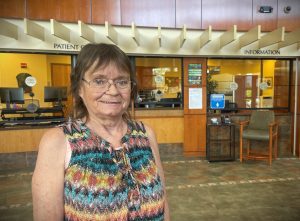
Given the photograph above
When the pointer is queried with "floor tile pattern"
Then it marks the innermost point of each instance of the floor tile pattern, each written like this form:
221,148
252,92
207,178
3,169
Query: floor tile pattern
196,189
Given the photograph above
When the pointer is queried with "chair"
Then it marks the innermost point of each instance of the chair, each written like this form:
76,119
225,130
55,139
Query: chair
261,127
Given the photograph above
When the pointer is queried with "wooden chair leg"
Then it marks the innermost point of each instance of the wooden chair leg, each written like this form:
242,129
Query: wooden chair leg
248,148
275,147
241,148
270,150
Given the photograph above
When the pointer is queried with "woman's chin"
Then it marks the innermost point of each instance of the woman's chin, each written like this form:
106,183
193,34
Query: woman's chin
112,113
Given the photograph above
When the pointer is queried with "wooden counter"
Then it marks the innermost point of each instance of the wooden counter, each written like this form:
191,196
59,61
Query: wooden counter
167,124
20,139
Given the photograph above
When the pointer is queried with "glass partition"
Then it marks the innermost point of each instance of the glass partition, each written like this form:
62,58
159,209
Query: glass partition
250,83
159,82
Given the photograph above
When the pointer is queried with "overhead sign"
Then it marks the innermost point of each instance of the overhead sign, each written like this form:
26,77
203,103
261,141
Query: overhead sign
217,101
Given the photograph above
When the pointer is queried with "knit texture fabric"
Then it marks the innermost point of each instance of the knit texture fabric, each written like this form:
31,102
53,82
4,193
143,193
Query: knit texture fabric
106,184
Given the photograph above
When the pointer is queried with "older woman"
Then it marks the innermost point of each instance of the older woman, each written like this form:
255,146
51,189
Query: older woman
102,165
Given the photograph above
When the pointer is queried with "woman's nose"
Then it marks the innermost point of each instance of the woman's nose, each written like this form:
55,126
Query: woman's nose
112,85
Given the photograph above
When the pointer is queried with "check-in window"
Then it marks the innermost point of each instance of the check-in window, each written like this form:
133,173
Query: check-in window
250,83
159,82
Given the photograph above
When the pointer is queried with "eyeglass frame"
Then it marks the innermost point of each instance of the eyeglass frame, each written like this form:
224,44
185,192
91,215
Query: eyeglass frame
108,84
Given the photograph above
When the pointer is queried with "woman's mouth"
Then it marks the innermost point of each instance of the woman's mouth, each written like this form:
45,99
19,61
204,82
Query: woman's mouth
110,102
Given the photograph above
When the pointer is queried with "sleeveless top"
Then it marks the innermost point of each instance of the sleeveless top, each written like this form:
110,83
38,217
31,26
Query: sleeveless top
106,184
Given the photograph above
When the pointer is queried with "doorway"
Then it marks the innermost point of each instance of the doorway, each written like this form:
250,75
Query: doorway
60,76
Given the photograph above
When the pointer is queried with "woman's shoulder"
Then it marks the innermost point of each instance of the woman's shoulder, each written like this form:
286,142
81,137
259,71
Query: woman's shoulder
54,134
137,125
141,126
53,141
71,126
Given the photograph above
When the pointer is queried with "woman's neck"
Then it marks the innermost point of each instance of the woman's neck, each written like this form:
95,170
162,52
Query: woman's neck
112,130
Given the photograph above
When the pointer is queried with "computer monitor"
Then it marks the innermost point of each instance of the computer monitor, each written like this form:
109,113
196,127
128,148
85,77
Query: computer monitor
55,94
10,95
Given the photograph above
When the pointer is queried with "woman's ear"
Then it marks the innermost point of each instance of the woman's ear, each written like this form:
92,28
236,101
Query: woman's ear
80,92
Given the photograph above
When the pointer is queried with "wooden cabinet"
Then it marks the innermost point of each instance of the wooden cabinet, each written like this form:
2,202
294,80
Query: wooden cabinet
220,142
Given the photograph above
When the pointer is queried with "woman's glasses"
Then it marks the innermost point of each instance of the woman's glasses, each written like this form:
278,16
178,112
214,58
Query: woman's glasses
97,83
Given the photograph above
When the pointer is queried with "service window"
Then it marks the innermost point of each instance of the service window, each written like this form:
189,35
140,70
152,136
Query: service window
250,83
159,82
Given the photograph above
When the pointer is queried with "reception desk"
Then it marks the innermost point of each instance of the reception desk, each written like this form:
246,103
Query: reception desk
21,130
167,124
14,140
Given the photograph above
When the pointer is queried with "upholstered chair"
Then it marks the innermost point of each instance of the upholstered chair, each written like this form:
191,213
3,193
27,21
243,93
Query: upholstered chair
261,127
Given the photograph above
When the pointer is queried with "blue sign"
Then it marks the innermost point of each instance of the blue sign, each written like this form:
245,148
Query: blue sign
217,101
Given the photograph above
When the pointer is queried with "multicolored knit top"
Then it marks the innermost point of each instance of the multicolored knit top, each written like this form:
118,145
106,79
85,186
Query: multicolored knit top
106,184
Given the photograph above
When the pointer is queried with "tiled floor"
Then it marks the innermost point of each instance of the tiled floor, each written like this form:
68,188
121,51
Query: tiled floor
197,190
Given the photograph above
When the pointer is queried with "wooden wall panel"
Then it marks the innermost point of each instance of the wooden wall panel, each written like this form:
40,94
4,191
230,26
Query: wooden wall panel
78,10
292,107
292,89
167,129
148,13
223,14
106,10
281,96
196,14
42,10
61,10
268,21
60,77
194,119
188,13
291,20
195,135
12,9
186,102
292,98
298,136
10,140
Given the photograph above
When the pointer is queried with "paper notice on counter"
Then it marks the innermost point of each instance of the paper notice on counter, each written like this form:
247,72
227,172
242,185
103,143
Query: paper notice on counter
195,98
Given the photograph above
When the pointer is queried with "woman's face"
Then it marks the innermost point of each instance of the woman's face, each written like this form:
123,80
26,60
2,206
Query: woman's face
110,100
